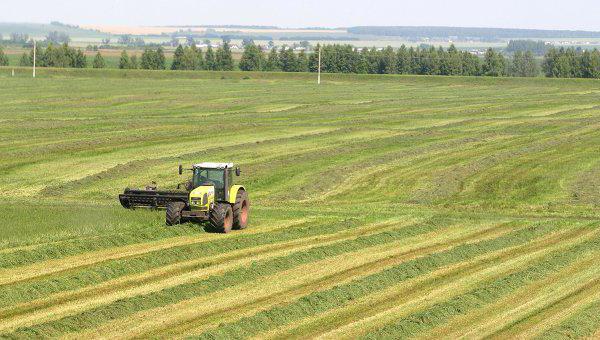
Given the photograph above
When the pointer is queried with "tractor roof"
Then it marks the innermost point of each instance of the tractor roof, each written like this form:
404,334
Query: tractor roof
209,165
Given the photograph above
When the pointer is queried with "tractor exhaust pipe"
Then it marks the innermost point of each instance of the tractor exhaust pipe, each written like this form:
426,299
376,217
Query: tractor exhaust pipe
226,184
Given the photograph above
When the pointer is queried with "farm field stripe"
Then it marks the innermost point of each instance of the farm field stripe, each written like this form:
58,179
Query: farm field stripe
386,299
585,323
549,301
339,295
387,255
487,318
61,304
562,310
415,266
45,268
103,272
130,305
180,313
433,316
416,306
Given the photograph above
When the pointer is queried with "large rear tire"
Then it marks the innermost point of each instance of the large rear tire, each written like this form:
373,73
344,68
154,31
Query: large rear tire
174,210
241,210
221,217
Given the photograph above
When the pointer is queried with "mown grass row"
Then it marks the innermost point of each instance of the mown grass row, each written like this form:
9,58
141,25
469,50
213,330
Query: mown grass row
582,324
321,301
438,314
192,270
178,293
106,270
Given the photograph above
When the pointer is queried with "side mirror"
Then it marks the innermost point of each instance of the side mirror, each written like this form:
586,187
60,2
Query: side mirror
238,172
180,169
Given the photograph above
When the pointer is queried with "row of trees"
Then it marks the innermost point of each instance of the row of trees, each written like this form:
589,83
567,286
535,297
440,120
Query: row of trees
538,48
151,60
426,61
559,63
192,58
55,56
254,59
571,63
335,59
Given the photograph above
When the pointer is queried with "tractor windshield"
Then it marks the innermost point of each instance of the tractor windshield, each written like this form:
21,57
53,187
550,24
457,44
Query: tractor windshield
209,177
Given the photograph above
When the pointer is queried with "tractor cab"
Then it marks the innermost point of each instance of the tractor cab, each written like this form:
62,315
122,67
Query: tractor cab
218,175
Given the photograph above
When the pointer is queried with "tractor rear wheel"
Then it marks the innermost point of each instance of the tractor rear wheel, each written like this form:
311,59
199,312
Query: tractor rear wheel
174,210
241,210
221,217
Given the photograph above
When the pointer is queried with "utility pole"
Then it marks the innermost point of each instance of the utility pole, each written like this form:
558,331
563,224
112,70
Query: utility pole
34,58
319,77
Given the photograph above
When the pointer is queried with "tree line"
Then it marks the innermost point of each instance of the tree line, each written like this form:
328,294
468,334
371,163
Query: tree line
557,63
55,56
422,61
571,63
538,48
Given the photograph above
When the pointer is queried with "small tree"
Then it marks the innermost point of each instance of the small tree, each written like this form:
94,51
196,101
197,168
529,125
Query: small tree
224,57
25,61
590,64
189,59
302,62
524,64
177,56
200,64
210,63
133,63
98,61
78,59
287,60
252,59
3,58
160,59
124,61
494,64
453,63
273,63
148,59
403,61
471,64
388,63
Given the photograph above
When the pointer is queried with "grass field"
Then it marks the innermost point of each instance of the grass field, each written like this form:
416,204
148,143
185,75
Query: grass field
382,206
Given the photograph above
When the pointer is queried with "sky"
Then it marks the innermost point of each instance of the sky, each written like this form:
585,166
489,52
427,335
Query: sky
540,14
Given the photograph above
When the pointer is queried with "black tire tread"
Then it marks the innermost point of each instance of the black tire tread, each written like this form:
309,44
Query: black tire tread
237,208
217,216
173,215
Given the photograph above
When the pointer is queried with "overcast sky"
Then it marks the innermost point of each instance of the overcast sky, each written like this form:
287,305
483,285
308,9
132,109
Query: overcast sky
545,14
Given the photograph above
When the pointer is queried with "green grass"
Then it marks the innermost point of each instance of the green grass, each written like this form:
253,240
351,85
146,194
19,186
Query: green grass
475,189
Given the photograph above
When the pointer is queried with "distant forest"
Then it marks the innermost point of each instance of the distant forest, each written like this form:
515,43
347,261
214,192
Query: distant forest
467,32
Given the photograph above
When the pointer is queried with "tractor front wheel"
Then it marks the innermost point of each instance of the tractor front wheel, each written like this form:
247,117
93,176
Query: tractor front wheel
221,217
174,210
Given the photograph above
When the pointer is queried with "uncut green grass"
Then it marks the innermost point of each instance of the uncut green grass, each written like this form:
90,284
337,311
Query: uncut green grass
354,151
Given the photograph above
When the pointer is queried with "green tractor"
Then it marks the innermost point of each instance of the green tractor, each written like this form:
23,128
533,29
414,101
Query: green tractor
210,195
